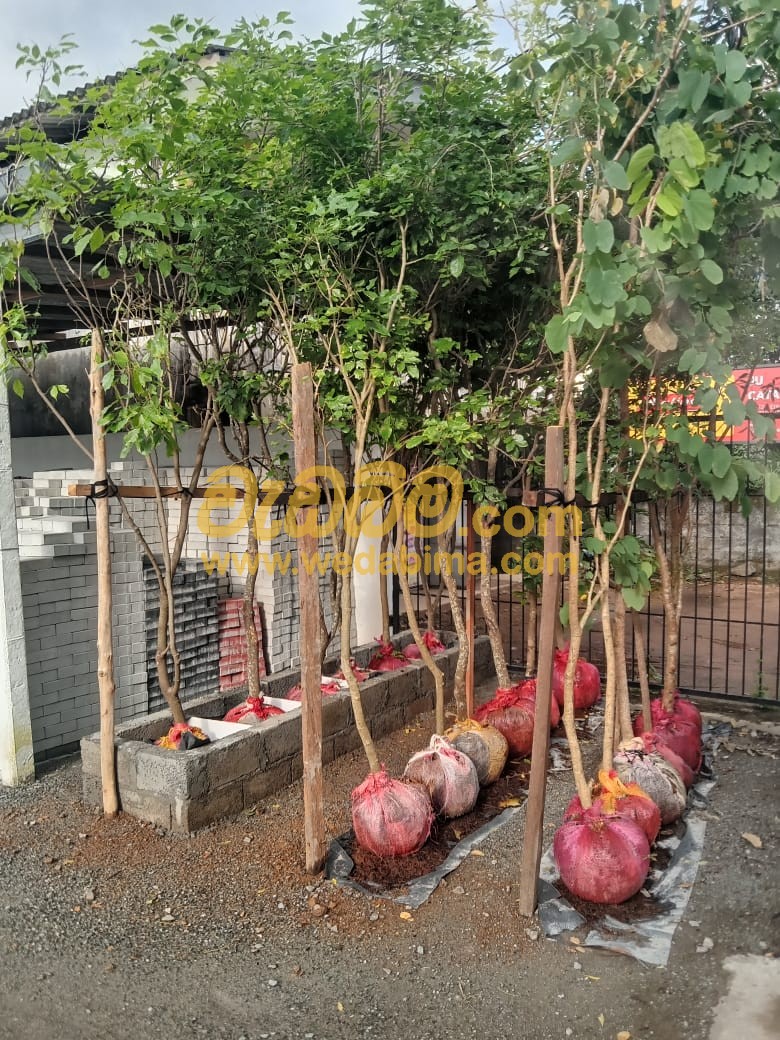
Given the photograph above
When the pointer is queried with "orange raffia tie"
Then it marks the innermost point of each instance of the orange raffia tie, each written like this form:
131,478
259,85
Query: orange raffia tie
613,789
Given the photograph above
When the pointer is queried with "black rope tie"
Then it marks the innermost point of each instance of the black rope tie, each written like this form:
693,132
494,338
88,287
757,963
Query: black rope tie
100,489
186,492
557,498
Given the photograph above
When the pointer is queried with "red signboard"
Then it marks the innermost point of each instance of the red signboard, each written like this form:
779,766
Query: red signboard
759,385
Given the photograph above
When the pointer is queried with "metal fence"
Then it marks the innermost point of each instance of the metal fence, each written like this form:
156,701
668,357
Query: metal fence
730,620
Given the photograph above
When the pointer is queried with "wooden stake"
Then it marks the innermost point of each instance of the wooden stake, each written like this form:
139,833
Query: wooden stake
471,603
309,638
105,650
551,583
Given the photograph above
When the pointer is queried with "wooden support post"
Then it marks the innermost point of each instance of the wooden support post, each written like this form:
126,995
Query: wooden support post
309,637
551,582
471,603
105,647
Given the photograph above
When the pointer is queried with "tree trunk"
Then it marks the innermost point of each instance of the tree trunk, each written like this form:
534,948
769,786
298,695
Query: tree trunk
610,686
161,658
411,615
459,623
621,668
670,572
383,598
530,639
248,613
105,652
641,666
346,667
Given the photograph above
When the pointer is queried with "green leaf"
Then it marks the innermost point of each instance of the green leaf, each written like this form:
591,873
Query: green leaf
670,201
616,176
726,487
633,598
721,460
705,456
772,488
81,244
680,141
573,148
711,271
683,174
733,412
456,266
639,161
556,334
707,399
693,89
598,236
18,387
700,210
736,64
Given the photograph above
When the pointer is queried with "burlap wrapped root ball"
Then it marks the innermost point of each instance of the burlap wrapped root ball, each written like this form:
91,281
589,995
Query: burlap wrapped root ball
486,746
391,817
447,774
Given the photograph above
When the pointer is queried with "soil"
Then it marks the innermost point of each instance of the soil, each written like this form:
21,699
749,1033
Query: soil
110,929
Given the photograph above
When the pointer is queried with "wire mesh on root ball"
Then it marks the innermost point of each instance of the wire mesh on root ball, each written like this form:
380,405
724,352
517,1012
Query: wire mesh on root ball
654,775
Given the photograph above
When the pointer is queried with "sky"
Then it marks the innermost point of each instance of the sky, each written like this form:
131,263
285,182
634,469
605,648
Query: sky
105,31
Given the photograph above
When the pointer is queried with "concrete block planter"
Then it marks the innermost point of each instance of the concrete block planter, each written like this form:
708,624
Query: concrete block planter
183,791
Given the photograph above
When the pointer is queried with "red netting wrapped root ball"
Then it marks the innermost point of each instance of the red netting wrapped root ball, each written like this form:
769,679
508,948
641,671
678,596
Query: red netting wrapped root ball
587,681
514,718
391,817
654,745
526,691
682,710
253,709
387,659
614,798
431,640
602,858
448,775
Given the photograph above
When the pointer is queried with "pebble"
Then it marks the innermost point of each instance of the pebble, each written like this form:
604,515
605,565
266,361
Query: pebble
273,982
459,890
373,917
705,946
247,840
532,933
89,895
82,835
318,910
577,966
420,951
167,918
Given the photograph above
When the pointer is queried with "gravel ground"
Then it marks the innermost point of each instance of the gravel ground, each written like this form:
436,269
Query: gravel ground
113,930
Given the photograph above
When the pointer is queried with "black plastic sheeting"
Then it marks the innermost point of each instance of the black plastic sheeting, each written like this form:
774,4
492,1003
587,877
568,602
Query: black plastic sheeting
648,940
